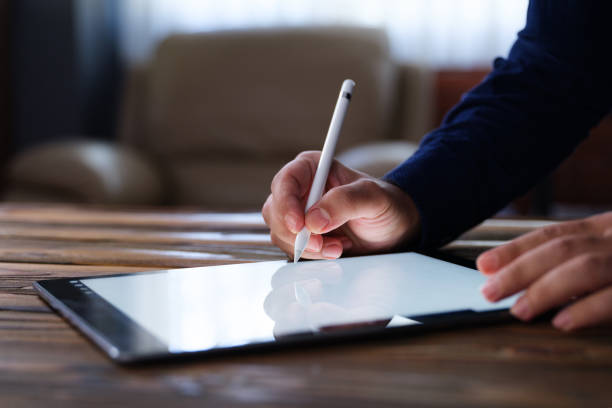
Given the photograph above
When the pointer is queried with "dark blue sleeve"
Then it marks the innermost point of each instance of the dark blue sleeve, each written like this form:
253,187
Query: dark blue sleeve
518,124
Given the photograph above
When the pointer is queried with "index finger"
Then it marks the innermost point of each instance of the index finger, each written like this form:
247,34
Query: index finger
289,189
493,260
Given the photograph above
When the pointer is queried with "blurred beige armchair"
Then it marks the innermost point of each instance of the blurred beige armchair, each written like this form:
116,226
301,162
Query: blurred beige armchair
214,116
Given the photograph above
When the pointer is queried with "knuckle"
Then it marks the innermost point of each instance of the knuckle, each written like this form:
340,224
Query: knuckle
267,203
593,311
368,186
308,155
573,227
509,250
591,240
552,231
584,225
601,274
357,193
539,292
504,284
581,225
565,245
590,262
343,197
286,171
278,177
370,190
266,210
515,276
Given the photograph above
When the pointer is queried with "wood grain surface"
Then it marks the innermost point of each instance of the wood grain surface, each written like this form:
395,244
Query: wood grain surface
46,363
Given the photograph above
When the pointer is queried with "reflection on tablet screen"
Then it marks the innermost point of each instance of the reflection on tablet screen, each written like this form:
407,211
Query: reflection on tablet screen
223,306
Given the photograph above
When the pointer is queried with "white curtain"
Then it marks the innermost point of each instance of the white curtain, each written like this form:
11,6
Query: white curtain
440,33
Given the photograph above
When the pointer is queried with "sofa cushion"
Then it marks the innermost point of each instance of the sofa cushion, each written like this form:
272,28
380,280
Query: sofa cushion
83,171
267,93
221,183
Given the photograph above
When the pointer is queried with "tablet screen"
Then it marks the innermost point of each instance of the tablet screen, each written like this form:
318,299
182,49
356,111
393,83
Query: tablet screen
206,308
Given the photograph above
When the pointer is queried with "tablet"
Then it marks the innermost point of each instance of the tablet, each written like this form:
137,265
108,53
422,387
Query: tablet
169,313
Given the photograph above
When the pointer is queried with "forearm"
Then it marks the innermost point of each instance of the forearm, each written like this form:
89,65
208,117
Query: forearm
507,133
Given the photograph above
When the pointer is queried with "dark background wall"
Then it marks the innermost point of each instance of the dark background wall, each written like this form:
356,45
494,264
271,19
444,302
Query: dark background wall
64,68
5,105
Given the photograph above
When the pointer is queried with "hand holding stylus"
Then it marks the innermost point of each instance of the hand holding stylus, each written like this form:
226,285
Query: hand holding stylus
325,161
356,214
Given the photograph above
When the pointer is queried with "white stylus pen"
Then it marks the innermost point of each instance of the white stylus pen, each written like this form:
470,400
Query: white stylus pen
327,156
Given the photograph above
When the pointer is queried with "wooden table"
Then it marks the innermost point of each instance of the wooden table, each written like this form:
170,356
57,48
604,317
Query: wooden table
45,362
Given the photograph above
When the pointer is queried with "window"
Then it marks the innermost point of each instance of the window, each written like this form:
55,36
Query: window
441,33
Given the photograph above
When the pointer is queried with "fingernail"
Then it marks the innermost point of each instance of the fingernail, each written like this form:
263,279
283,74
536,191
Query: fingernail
332,251
490,289
488,262
521,308
291,222
563,321
313,244
318,219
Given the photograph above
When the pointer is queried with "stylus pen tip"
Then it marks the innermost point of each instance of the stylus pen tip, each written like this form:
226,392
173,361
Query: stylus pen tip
297,254
301,240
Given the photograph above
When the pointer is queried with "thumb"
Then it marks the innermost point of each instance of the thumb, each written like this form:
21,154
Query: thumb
363,198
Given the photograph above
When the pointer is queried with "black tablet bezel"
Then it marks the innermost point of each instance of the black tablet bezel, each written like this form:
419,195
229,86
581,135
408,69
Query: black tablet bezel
116,334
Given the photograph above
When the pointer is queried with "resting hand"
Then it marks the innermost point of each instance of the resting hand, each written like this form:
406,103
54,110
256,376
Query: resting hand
559,264
357,214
